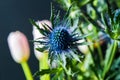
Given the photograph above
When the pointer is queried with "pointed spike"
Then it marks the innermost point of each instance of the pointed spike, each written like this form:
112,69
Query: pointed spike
41,49
75,56
84,43
58,15
109,8
48,26
67,13
105,21
82,36
86,35
52,15
75,29
57,18
37,26
67,22
34,23
41,42
46,29
74,34
44,37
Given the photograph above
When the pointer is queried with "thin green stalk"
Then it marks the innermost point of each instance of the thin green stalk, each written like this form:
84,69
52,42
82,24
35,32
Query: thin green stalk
89,48
27,71
110,58
99,52
43,64
91,51
99,48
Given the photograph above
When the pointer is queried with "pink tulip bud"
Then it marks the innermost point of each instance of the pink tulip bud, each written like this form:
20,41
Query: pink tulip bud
19,46
37,35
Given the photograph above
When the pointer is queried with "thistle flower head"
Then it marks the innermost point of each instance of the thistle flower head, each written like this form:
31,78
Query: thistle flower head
61,39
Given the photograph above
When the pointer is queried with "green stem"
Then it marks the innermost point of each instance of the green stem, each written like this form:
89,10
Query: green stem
43,64
89,48
110,58
27,71
91,52
99,52
98,47
66,71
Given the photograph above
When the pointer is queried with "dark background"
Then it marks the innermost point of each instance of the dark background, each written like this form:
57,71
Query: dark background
14,15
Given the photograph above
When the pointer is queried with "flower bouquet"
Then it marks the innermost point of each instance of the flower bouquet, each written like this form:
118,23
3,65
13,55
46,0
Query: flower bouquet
80,44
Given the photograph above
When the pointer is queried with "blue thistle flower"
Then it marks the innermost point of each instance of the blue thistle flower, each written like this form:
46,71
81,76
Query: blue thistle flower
61,40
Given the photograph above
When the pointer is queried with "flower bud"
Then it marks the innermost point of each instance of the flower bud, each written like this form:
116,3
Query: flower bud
19,46
37,35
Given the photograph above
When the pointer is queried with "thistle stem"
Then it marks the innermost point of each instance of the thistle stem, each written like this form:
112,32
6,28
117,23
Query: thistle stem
27,71
66,72
110,58
43,64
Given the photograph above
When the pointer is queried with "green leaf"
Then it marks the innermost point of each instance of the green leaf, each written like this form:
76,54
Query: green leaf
109,57
41,49
84,2
84,43
57,75
105,21
52,15
46,71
